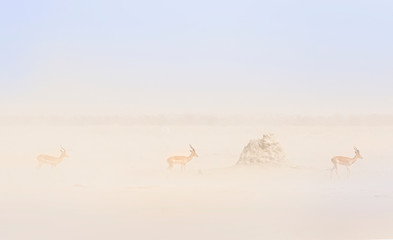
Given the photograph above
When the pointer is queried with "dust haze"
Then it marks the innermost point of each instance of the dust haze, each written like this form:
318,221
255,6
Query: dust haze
115,183
96,96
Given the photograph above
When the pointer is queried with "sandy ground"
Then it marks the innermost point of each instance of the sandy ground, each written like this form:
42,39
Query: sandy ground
115,184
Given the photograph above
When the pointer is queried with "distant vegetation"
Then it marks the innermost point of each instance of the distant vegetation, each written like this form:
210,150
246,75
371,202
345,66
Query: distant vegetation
199,119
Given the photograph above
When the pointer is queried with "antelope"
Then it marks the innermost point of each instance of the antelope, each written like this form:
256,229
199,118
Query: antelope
346,161
182,160
51,160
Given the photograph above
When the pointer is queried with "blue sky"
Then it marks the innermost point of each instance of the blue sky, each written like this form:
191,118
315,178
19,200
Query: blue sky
295,57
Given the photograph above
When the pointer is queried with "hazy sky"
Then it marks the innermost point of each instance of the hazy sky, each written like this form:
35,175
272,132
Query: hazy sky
295,57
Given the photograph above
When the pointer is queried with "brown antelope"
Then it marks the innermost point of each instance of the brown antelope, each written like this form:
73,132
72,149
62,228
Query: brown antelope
182,160
51,160
346,161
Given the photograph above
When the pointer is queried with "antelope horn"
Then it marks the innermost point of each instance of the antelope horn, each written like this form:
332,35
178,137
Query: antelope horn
192,147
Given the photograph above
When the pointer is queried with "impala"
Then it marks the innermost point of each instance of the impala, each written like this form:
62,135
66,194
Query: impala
346,161
181,160
51,160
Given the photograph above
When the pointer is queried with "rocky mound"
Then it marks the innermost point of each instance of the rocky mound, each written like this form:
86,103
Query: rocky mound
263,151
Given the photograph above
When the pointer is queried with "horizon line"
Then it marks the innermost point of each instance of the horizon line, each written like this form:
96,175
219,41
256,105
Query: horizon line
199,119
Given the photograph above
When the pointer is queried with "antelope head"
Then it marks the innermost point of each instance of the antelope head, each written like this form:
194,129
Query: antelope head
357,152
63,152
193,153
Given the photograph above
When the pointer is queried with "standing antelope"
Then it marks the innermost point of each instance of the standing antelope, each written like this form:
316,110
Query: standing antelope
51,160
182,160
346,161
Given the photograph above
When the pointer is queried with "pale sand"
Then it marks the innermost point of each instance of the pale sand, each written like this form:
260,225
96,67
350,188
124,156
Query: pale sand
115,184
